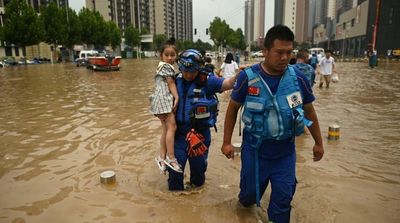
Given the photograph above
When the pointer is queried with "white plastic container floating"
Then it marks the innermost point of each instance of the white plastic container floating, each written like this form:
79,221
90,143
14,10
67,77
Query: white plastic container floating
237,147
107,177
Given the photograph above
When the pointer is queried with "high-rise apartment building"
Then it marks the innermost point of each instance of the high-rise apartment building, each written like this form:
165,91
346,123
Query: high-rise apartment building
295,15
248,21
279,12
259,19
174,18
320,12
301,21
254,20
289,15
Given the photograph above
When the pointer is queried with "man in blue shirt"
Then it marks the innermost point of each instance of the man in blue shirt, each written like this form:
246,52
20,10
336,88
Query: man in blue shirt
277,102
306,69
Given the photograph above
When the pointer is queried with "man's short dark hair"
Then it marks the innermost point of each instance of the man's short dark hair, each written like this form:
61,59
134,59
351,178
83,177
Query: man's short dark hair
302,54
279,32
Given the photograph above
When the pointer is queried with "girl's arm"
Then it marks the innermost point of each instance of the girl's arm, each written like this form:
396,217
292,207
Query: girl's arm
174,91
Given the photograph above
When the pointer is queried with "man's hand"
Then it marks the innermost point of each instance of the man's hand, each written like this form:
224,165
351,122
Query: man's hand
318,152
227,150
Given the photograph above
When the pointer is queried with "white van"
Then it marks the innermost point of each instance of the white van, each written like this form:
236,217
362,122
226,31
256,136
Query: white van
317,51
83,57
84,54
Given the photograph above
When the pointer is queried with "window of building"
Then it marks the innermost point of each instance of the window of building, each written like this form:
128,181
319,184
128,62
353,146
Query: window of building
352,22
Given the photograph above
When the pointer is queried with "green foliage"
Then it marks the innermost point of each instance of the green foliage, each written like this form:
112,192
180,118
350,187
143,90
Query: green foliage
74,28
88,23
222,35
115,34
144,30
101,35
22,26
55,24
200,45
158,41
238,40
132,36
219,31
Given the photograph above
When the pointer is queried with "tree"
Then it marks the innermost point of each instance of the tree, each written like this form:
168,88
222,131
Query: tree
74,28
55,26
219,32
132,36
236,40
88,20
200,45
115,35
101,36
22,26
158,41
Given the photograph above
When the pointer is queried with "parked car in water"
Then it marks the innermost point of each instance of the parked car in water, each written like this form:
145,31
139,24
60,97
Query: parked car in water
257,54
10,61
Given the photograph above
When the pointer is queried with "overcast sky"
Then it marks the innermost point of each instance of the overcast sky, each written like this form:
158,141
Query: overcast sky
204,11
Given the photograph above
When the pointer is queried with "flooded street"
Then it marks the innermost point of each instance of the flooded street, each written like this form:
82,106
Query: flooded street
61,126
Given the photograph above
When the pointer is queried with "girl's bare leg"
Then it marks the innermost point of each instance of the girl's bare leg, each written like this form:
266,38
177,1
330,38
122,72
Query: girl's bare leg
163,145
170,129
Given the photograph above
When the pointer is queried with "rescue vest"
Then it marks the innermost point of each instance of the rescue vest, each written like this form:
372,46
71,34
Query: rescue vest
196,108
269,116
313,60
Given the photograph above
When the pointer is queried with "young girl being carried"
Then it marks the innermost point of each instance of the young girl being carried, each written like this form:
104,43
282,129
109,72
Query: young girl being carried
164,102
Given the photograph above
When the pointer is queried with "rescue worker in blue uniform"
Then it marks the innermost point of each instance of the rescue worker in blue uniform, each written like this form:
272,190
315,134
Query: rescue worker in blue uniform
197,112
277,104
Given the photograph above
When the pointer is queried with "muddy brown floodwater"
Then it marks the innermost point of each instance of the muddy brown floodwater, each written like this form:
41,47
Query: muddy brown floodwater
61,126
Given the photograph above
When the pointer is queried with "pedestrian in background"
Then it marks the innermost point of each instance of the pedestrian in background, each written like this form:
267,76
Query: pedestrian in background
301,64
229,67
326,67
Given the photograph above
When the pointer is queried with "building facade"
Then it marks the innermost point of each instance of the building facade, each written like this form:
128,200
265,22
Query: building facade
295,15
254,21
358,26
174,18
248,21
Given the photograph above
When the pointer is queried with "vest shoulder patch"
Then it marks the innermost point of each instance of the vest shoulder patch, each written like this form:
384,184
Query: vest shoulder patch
253,81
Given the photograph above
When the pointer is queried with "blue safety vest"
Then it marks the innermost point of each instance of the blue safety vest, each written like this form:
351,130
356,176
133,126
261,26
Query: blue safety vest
313,60
196,108
279,116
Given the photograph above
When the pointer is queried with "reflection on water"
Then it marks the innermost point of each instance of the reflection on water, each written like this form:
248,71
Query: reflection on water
61,126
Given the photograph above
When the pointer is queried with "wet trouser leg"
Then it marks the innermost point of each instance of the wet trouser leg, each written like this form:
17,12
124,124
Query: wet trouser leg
198,165
281,174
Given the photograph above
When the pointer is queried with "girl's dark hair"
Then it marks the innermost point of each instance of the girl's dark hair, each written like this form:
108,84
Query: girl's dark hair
279,32
228,58
169,43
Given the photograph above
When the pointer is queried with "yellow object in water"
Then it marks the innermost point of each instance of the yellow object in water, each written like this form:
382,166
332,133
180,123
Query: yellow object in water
334,132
